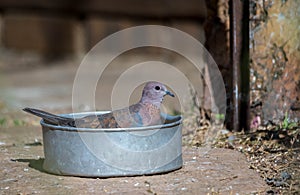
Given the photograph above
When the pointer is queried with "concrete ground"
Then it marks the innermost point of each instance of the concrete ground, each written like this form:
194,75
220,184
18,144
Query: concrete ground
205,170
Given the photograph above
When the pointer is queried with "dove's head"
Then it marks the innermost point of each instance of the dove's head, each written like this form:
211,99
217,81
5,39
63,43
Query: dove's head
154,93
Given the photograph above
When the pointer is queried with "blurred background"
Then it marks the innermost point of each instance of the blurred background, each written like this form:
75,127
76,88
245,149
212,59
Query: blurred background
43,43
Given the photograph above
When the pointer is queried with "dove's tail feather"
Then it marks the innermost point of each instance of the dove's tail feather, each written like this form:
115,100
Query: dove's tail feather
50,118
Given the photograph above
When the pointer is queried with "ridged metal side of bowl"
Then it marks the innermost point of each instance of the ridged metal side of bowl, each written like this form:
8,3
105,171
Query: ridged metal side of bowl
112,152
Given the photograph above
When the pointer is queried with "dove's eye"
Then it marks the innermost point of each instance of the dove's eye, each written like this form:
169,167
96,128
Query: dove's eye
157,88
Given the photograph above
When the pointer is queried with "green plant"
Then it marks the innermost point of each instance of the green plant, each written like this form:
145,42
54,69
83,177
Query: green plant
220,116
2,121
18,122
287,124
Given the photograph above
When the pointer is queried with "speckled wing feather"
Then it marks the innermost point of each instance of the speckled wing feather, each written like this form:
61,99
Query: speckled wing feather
136,115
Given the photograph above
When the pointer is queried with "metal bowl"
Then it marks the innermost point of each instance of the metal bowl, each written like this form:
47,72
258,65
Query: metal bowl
112,152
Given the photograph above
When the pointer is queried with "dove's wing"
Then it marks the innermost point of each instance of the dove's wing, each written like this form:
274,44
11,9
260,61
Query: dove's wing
137,115
97,121
126,117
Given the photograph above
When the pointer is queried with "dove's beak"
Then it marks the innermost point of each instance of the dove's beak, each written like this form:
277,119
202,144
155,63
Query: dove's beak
169,93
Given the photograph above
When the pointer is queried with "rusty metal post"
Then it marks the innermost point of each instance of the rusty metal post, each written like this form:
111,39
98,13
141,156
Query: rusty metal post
239,55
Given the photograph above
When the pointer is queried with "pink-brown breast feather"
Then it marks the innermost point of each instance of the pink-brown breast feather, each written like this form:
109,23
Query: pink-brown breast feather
150,114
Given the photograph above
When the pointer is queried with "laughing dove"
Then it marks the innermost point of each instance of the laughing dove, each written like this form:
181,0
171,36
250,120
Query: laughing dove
144,113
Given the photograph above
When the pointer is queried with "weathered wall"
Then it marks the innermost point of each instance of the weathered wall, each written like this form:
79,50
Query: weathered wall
65,27
45,34
275,59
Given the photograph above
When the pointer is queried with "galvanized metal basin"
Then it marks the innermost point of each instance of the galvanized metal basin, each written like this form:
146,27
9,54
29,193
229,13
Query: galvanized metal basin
112,152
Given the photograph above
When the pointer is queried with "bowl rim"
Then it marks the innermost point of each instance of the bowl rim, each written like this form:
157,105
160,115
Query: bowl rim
176,121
